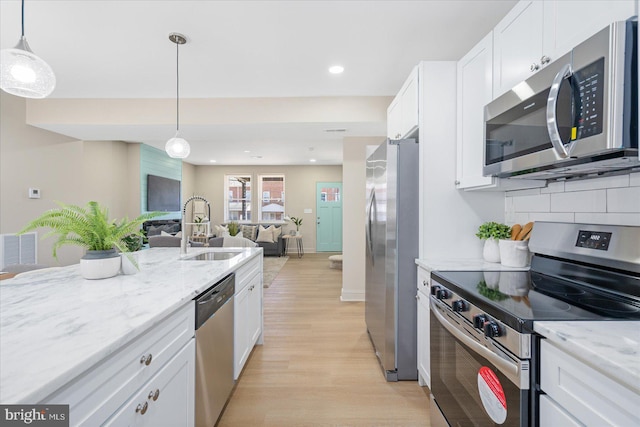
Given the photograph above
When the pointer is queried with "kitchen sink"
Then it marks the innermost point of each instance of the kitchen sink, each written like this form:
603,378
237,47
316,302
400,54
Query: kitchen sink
213,256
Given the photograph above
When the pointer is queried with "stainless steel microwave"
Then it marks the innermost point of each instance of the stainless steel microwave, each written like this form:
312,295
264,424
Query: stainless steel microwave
577,116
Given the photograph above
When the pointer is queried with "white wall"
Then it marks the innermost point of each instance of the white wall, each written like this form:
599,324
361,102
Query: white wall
608,200
354,174
449,217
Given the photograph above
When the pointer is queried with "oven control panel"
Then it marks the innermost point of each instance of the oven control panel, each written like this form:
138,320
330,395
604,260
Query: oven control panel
594,240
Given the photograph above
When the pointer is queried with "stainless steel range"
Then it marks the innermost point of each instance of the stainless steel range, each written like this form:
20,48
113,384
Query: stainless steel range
484,362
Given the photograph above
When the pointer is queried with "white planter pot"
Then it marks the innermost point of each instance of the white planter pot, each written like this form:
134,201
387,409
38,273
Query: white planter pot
129,267
491,251
100,264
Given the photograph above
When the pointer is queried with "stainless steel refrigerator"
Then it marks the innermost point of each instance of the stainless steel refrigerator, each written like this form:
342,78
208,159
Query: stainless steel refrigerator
392,247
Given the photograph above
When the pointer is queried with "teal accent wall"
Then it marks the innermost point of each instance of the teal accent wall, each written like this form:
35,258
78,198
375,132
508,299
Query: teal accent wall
157,162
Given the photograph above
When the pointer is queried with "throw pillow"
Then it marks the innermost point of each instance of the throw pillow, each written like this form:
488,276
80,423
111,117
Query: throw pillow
164,233
265,235
178,234
221,230
153,231
249,231
276,231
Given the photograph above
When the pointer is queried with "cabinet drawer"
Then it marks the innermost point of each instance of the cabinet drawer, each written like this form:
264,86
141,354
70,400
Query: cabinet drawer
553,415
585,393
100,391
167,399
424,280
246,273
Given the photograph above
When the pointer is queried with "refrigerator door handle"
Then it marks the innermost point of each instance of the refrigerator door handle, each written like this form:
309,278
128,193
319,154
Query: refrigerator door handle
369,231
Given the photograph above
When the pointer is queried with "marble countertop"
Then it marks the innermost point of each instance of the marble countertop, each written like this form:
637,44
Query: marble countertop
54,325
611,347
473,264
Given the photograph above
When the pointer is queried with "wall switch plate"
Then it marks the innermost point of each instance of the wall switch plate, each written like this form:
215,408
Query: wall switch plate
34,193
308,210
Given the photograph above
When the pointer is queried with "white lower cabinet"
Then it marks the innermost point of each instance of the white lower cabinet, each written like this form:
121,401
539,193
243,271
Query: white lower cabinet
551,414
95,396
424,343
247,314
167,399
582,393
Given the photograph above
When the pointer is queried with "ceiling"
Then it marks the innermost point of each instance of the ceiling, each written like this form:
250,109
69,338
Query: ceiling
243,49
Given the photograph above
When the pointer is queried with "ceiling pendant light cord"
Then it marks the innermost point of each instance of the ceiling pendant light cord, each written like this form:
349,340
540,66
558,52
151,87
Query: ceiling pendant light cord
22,18
177,88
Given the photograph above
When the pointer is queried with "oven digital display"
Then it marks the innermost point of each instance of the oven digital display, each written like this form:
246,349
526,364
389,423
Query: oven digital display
593,240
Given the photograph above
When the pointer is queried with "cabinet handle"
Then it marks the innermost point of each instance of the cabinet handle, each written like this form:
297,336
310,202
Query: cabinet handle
457,182
545,59
142,408
146,359
424,283
154,394
534,67
418,297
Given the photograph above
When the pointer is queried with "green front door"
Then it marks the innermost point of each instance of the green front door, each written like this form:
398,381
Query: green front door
329,217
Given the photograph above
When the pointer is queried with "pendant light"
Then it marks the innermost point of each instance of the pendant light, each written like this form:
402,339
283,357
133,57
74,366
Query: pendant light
23,73
177,147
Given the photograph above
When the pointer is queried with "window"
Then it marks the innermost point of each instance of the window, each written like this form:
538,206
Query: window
237,205
271,206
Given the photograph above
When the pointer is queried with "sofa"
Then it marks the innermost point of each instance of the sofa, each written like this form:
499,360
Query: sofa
270,247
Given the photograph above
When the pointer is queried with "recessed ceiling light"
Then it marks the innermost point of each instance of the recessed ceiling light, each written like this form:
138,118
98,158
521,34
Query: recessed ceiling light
256,157
247,151
312,160
336,69
212,161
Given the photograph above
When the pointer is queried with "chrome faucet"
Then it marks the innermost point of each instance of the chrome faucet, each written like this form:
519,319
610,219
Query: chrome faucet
184,239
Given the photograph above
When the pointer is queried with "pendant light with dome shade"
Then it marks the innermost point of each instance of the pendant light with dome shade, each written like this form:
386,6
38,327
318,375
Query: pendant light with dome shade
177,147
23,73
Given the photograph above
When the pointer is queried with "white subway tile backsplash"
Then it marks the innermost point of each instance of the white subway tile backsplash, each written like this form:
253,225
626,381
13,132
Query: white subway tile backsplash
535,203
597,183
579,201
518,193
553,187
552,216
623,199
609,218
606,200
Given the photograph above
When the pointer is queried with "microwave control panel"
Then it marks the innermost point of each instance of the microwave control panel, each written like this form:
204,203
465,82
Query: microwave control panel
588,104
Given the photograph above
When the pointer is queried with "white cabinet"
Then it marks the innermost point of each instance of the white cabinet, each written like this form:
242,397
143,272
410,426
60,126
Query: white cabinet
402,113
474,87
247,315
535,33
517,43
166,399
424,352
583,393
97,394
567,23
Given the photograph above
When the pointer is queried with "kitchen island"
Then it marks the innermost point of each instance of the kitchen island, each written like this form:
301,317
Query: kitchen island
56,326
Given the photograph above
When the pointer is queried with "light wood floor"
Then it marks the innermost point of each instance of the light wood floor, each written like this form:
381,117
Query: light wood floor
317,366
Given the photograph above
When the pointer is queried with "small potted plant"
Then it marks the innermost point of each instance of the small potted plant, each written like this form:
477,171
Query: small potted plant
491,232
234,228
298,223
90,228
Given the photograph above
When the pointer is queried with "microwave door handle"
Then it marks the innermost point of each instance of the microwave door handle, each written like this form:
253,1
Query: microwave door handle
552,102
510,369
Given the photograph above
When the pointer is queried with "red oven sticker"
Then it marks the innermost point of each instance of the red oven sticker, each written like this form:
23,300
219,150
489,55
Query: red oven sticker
492,395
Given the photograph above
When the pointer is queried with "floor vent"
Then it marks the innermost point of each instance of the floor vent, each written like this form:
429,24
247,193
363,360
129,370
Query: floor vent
18,249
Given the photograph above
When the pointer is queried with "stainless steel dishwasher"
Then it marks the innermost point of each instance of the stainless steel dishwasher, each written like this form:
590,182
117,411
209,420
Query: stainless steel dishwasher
214,350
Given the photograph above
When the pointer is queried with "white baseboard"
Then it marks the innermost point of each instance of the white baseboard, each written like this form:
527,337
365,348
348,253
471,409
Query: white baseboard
351,296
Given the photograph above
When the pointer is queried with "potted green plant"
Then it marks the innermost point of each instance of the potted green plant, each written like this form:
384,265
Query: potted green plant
491,232
298,223
90,228
234,228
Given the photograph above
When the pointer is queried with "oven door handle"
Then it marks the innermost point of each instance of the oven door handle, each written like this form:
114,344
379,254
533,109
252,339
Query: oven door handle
552,103
510,369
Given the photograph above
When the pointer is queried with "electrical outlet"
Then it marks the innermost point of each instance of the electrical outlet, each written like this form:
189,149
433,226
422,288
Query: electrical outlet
308,210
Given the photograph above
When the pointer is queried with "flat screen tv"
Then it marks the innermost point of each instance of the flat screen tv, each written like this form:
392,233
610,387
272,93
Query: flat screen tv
163,194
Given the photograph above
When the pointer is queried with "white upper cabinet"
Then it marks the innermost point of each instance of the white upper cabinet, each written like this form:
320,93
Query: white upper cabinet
517,45
567,23
535,33
474,92
475,76
402,114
